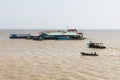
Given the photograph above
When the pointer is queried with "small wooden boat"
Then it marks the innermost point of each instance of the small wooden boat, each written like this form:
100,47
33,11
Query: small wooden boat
88,54
37,38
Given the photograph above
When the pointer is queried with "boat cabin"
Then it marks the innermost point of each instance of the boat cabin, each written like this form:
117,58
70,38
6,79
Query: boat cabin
96,45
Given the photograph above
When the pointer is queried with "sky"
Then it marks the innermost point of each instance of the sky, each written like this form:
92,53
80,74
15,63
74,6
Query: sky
59,14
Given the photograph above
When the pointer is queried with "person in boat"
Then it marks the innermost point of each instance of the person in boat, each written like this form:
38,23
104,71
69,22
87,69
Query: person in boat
94,53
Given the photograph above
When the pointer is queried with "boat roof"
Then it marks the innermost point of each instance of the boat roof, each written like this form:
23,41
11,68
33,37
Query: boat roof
71,33
55,33
61,33
97,43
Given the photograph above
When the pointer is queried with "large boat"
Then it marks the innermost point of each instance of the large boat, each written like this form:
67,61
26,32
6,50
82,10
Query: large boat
89,54
96,45
63,35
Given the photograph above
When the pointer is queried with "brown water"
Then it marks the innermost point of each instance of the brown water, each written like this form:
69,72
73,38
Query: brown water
59,60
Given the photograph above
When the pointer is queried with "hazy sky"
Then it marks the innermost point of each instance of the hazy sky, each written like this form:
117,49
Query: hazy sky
38,14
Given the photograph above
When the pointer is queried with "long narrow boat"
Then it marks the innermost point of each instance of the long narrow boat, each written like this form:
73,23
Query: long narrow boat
22,36
88,54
